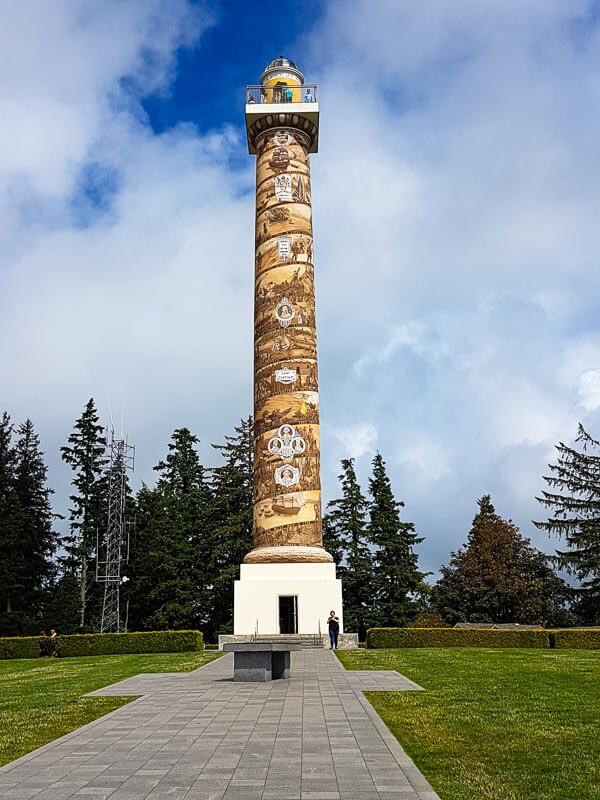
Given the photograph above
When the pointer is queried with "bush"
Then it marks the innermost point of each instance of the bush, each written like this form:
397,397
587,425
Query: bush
19,647
105,644
575,639
455,637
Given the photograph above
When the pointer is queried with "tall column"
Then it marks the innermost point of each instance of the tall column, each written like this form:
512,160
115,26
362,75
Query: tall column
287,484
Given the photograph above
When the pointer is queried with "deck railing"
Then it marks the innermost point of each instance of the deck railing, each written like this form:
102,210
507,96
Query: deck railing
281,94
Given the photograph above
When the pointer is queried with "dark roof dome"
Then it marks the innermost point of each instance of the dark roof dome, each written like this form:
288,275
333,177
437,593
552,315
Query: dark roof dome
282,61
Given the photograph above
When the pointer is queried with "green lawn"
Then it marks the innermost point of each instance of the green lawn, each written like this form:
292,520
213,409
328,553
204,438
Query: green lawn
41,699
496,724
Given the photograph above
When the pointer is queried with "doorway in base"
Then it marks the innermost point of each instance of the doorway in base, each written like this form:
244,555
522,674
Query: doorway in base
288,613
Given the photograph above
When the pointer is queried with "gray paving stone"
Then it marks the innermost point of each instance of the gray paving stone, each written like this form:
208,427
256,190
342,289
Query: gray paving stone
200,736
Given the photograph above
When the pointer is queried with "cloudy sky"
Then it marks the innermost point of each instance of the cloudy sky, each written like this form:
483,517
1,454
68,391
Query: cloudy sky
456,209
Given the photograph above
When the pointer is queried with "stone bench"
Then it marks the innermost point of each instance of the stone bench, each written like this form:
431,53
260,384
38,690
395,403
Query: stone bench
260,661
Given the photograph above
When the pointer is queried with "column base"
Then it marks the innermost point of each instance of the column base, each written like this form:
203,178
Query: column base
257,605
291,554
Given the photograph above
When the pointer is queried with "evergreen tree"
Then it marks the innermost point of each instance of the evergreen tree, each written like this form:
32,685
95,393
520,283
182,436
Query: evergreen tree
7,456
231,537
61,609
346,526
332,541
498,576
12,560
398,576
575,507
27,538
168,559
85,453
35,520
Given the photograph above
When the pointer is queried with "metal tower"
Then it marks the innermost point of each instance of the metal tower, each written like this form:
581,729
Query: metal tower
116,545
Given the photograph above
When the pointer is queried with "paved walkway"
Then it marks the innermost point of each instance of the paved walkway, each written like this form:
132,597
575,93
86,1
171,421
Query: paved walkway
200,736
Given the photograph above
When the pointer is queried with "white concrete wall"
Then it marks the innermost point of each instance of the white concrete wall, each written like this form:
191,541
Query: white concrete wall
256,596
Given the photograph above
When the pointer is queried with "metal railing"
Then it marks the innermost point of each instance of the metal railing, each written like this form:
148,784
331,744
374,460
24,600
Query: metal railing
318,638
307,93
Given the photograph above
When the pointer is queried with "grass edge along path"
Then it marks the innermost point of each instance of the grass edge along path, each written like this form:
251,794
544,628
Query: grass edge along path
495,724
42,699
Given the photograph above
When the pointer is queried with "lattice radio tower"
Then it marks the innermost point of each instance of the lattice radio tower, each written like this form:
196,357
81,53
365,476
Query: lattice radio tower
116,544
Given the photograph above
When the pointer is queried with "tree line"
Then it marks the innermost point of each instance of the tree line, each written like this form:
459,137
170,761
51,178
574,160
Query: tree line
194,526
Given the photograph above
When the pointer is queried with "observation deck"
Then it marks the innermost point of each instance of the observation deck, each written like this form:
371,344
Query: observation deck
293,106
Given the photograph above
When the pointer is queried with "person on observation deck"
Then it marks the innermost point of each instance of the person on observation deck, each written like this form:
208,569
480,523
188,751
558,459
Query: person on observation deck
333,623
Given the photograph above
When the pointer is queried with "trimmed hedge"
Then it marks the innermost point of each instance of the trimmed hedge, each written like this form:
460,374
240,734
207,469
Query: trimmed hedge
19,647
575,639
106,644
455,637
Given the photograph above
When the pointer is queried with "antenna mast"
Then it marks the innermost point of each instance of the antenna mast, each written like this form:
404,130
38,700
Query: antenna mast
116,545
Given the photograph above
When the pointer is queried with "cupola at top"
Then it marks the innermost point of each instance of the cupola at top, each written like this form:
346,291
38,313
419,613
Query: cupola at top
282,99
282,71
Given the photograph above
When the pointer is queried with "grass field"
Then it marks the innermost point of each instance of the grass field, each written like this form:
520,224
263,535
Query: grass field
496,724
41,699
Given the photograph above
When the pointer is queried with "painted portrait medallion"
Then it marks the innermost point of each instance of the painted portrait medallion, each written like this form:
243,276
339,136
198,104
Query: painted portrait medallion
286,443
287,475
284,311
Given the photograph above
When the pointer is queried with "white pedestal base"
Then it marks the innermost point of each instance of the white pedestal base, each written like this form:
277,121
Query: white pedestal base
256,597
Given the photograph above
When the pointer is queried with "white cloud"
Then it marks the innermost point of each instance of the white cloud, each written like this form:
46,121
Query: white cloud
588,385
358,439
60,93
465,307
413,336
426,460
455,198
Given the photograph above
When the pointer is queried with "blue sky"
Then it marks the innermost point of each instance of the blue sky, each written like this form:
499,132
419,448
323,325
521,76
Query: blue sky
242,39
456,197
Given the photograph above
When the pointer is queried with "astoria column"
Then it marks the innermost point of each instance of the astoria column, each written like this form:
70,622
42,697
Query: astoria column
288,581
283,125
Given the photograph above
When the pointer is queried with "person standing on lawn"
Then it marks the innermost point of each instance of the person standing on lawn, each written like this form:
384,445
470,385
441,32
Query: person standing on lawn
333,623
51,643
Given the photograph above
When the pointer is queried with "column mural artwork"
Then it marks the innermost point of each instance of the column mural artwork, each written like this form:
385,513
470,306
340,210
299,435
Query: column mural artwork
288,582
287,484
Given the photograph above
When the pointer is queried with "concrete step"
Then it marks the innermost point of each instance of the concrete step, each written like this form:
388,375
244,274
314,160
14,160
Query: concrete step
305,640
347,641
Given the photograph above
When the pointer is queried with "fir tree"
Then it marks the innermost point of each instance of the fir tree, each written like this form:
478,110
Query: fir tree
35,520
168,563
499,577
231,537
61,609
398,576
12,557
332,541
27,538
575,507
346,525
85,453
7,456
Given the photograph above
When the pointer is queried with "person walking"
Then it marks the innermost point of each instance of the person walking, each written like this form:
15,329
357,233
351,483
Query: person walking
333,623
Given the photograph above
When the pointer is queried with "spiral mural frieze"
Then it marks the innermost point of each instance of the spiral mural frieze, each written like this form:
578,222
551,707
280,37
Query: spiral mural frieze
287,487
